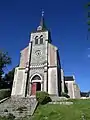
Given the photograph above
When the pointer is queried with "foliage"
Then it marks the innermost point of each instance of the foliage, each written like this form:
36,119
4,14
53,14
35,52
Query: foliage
5,93
10,75
2,84
65,95
66,89
88,22
4,61
88,29
88,15
5,84
87,5
8,79
63,112
42,97
85,94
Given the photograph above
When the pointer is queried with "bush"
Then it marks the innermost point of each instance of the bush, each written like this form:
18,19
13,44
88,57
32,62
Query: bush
4,93
42,97
65,95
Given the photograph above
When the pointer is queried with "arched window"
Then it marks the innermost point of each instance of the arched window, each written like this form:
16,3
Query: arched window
36,40
41,39
36,77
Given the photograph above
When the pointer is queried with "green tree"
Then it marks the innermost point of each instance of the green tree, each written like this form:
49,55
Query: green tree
10,75
4,61
8,79
88,15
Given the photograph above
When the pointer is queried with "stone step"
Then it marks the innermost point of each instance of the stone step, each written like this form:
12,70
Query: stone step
19,107
56,98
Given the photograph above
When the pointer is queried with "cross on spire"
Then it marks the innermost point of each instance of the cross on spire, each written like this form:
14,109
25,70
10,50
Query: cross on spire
42,13
42,25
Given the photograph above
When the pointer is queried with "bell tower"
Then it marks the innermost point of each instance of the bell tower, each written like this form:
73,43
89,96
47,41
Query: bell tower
39,39
41,32
39,57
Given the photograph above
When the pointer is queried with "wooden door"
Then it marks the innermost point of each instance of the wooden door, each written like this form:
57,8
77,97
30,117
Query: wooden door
33,88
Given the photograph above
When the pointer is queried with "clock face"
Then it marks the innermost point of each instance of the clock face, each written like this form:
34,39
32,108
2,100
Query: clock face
38,53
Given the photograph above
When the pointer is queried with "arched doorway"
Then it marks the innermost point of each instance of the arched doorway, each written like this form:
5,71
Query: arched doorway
35,85
38,86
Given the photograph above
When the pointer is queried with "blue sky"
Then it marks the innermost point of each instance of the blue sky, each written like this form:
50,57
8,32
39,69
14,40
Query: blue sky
67,21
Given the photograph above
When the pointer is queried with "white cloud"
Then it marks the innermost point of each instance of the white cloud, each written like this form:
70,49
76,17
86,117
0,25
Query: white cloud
88,56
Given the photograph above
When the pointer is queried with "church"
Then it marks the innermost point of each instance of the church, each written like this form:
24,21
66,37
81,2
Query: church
40,68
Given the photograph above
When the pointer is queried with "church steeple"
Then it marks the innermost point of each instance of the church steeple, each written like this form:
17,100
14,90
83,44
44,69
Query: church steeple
42,25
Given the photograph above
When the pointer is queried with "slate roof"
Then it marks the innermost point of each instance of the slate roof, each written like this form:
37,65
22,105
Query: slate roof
42,26
68,78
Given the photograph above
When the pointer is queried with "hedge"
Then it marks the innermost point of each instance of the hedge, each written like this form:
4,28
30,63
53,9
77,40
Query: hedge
65,95
4,93
42,97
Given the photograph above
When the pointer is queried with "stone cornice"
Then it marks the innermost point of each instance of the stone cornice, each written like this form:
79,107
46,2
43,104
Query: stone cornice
52,66
21,68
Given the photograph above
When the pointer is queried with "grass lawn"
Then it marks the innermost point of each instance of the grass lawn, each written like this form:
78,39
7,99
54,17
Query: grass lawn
63,112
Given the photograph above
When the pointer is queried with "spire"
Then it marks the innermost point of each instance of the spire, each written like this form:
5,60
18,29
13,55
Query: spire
42,19
42,23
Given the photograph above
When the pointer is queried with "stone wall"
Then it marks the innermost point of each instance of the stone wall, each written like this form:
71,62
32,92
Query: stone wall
52,55
19,83
70,88
76,91
73,89
53,81
24,57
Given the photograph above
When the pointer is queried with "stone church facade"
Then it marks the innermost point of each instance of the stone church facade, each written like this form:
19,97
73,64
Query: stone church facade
40,68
